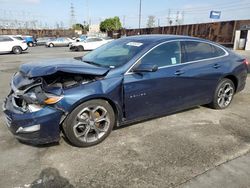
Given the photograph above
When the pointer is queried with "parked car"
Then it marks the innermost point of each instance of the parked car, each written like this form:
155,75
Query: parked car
81,38
43,40
90,43
59,42
29,40
127,80
12,44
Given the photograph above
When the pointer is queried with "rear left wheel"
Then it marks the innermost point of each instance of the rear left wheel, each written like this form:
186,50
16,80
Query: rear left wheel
90,123
17,50
80,48
224,94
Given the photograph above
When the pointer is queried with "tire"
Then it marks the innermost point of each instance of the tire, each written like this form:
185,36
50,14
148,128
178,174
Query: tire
51,45
30,44
89,123
17,50
223,95
80,48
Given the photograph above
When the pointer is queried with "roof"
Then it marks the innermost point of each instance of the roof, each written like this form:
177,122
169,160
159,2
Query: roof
159,38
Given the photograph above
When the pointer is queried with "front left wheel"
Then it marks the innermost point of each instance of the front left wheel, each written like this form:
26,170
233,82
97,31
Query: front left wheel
90,123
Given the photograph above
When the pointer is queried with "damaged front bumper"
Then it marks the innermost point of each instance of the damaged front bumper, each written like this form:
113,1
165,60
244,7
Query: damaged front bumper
38,127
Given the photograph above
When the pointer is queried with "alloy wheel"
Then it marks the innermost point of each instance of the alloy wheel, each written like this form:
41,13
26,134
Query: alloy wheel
225,95
91,124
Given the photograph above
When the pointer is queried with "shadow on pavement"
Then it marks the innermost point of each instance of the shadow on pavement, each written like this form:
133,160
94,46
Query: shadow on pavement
50,178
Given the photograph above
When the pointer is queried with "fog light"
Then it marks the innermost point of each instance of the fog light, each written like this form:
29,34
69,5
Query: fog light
32,128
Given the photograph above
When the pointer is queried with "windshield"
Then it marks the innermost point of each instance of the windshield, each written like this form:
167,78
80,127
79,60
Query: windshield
114,54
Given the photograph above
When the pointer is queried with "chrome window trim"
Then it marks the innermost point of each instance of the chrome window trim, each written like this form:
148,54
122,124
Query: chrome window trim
185,63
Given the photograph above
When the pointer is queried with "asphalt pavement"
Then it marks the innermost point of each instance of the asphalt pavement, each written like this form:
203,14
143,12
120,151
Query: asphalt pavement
199,147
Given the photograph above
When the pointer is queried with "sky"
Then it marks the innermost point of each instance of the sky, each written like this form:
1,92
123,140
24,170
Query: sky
58,11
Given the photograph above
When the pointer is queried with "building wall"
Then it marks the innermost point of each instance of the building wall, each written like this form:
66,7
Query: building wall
38,33
221,32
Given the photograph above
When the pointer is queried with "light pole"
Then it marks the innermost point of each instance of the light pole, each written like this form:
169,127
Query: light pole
140,18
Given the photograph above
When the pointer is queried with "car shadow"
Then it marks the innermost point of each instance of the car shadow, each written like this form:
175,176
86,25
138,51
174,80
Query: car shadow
5,54
40,145
156,117
116,128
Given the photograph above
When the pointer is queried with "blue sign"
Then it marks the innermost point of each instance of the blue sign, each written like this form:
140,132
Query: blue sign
215,14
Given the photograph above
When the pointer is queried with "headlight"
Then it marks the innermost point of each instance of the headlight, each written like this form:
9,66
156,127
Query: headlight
41,98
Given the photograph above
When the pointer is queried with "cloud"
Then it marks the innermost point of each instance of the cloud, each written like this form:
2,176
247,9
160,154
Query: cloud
21,1
32,1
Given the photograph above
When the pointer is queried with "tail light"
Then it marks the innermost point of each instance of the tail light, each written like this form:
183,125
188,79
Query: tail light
246,62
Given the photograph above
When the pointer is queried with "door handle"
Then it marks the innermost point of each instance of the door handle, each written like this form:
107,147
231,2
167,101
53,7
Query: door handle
179,72
216,66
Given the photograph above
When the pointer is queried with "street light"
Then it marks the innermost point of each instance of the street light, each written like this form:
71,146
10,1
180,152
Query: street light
140,18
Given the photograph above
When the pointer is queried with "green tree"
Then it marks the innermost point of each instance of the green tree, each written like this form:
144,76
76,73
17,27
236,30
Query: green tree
111,24
78,26
84,27
151,21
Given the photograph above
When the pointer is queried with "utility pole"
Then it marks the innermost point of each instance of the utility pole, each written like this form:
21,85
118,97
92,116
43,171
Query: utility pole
140,18
88,17
168,18
177,18
72,15
124,21
182,16
158,22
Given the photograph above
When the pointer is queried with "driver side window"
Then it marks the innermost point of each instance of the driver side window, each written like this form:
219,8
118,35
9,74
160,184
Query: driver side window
164,55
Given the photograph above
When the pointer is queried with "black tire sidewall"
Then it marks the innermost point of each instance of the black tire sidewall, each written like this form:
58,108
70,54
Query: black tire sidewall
224,81
68,125
17,48
30,44
80,48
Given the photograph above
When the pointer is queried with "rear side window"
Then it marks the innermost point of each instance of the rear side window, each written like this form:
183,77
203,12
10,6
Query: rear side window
93,40
200,50
5,39
164,55
18,38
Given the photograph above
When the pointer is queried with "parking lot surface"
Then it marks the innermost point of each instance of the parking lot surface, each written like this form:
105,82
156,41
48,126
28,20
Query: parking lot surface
192,148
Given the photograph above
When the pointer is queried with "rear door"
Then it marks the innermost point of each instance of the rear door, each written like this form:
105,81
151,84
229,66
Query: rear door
93,43
202,68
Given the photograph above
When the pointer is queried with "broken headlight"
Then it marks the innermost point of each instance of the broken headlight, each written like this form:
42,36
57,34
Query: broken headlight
38,96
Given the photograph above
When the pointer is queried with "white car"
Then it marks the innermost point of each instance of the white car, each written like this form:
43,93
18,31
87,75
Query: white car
90,43
59,42
12,44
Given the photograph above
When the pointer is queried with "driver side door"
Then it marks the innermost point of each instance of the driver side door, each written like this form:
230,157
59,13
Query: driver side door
148,94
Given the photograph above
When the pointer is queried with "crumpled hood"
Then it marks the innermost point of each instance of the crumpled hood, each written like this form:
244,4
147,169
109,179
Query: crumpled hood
48,67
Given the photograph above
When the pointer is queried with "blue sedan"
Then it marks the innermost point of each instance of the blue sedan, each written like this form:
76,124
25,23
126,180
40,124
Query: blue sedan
127,80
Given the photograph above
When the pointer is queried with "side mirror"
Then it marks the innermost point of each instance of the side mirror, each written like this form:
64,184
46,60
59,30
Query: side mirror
145,68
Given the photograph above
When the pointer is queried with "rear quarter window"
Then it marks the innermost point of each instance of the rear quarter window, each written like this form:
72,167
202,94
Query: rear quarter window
5,39
200,50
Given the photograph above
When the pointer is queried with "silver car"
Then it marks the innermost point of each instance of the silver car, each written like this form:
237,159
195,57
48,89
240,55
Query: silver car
61,41
43,40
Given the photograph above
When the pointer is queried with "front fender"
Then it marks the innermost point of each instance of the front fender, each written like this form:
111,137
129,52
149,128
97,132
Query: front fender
108,89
